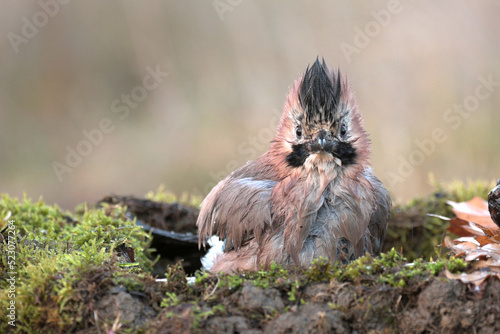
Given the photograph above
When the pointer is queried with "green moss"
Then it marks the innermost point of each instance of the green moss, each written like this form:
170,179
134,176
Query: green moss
171,300
292,294
276,275
321,269
202,314
162,195
389,268
201,277
54,253
231,282
455,265
176,277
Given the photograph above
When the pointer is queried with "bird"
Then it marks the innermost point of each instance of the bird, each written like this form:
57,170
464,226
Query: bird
312,194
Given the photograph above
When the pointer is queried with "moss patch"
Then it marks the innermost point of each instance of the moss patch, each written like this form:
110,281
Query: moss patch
62,263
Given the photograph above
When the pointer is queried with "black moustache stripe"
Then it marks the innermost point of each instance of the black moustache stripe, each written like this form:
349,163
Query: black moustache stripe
298,156
346,153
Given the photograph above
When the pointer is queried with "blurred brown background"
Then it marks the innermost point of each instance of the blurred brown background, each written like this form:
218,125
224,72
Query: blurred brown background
181,93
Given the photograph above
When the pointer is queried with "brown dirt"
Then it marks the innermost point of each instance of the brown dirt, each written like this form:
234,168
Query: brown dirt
427,304
174,217
435,306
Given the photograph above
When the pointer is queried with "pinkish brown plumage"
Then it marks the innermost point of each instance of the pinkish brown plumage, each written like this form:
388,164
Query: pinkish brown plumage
311,194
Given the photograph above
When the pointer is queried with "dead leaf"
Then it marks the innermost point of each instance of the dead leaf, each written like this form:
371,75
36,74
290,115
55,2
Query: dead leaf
484,240
476,277
490,263
475,280
466,246
477,254
478,242
466,239
475,210
492,247
465,228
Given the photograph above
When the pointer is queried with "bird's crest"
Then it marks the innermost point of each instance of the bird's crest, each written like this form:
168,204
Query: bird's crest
319,93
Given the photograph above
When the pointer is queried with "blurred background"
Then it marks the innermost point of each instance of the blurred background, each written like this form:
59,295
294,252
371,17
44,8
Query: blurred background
100,97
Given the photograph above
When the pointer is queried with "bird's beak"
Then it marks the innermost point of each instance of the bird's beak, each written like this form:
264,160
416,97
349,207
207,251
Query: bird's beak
322,139
322,142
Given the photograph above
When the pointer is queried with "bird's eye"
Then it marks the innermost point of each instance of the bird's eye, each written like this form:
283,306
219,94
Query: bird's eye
298,131
343,130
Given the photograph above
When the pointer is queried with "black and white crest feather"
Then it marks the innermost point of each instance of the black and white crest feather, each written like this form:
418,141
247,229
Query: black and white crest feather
320,92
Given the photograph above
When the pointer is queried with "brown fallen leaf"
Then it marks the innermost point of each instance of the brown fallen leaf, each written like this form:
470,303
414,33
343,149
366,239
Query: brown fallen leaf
465,246
492,247
490,263
483,252
477,277
472,248
484,240
478,242
465,228
475,210
466,239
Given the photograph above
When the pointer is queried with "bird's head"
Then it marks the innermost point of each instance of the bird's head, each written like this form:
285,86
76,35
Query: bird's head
321,124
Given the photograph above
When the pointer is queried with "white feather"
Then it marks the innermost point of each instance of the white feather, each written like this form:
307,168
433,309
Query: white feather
216,246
